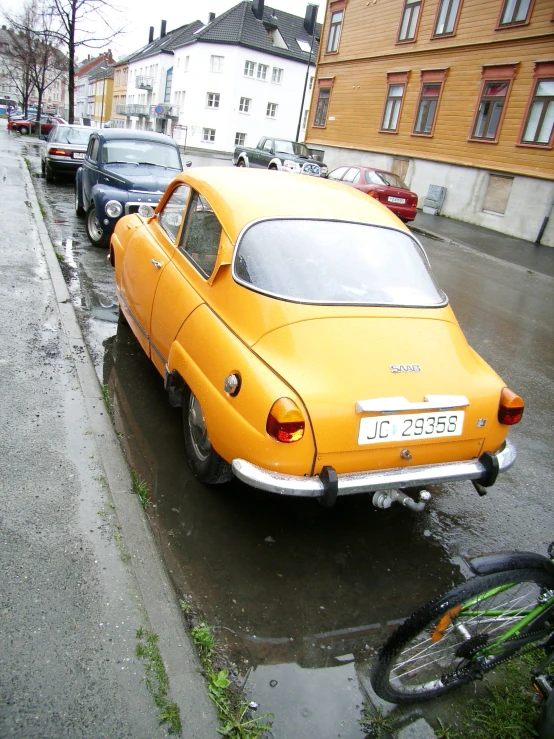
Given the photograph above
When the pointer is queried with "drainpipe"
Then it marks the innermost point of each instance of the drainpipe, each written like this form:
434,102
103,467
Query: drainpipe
544,225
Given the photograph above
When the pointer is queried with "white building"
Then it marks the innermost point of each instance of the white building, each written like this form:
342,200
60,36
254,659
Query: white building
237,78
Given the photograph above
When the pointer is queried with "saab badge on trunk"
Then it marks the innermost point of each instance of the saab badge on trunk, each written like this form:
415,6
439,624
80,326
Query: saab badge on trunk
405,368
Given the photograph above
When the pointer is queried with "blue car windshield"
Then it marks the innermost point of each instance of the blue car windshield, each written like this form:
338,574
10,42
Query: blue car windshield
127,151
335,262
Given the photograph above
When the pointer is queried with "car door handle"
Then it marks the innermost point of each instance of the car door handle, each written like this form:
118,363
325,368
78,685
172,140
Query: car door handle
156,264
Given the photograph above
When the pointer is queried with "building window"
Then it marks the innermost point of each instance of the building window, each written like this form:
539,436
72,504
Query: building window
244,105
240,139
262,71
208,135
393,104
213,100
447,17
410,20
539,122
311,83
498,194
514,13
305,118
489,111
322,107
277,75
216,63
335,28
249,69
186,66
271,110
427,109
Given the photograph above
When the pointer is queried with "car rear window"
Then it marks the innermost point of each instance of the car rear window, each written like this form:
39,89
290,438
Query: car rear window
384,178
73,136
335,262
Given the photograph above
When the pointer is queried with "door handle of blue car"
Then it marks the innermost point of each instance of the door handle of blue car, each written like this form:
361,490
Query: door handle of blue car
156,264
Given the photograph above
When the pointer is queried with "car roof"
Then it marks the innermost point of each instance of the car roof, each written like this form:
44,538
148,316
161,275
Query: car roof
107,134
365,167
242,195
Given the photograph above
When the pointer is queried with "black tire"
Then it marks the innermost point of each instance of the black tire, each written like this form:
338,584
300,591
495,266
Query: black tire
43,166
421,661
79,210
241,163
23,130
96,235
204,461
273,167
50,176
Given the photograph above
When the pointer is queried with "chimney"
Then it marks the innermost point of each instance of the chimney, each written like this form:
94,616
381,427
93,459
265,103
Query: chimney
162,29
258,8
310,19
151,35
211,17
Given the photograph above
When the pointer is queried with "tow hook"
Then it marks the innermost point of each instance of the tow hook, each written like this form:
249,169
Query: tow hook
385,498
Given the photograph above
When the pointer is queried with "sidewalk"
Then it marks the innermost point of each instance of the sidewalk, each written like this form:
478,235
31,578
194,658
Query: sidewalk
80,569
495,244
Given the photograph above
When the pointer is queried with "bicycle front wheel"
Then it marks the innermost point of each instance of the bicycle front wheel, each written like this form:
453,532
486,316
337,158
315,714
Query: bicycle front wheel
454,639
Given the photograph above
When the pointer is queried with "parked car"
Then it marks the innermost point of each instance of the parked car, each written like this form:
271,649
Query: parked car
298,324
31,125
386,187
63,150
280,154
122,170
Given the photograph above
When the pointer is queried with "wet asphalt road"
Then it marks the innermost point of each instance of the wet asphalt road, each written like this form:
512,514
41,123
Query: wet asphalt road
299,595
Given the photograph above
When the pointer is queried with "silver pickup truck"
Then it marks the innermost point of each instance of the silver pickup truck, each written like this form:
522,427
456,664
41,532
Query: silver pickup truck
280,154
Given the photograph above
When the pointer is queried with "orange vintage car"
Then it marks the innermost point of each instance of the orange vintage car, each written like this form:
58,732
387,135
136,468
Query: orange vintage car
299,326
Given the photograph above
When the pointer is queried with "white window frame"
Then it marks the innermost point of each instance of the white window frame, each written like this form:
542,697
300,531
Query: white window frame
240,139
262,71
277,75
216,66
244,105
212,100
249,68
271,110
208,135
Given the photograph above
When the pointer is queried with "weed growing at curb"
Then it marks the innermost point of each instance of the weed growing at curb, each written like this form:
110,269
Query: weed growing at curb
107,399
234,713
157,681
374,723
141,488
28,163
59,256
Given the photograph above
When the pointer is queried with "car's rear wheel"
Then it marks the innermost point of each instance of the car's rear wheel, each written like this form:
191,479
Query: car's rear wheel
97,236
50,176
23,130
43,166
204,461
79,210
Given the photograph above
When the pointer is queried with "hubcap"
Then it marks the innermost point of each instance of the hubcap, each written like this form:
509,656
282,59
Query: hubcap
198,432
94,227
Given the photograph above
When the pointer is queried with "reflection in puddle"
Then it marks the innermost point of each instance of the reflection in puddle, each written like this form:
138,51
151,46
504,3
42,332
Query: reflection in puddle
296,594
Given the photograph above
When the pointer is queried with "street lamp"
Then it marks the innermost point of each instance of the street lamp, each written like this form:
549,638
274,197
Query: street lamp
309,25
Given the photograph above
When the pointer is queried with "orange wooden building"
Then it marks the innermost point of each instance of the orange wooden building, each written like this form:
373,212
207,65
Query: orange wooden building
453,93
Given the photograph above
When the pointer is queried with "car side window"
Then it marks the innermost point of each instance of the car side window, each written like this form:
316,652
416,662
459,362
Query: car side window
171,217
268,146
52,134
336,174
201,234
353,175
92,151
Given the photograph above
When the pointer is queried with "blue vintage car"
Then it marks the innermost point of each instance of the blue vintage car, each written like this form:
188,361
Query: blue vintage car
121,171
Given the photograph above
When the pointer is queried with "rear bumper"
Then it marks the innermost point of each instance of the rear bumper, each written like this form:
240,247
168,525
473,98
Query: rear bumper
369,482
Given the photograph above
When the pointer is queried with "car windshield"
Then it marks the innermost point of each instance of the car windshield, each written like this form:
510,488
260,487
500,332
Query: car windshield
291,147
384,178
127,151
73,135
335,262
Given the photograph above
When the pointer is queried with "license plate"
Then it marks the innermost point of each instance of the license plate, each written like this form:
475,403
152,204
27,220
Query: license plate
78,155
401,201
413,426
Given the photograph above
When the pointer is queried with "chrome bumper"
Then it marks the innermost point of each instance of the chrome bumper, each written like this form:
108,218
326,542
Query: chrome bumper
366,482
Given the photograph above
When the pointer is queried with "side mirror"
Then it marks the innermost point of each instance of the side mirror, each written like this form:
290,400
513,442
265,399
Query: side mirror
43,137
188,164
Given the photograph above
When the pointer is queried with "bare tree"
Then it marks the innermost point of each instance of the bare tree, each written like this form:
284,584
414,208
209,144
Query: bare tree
78,20
19,71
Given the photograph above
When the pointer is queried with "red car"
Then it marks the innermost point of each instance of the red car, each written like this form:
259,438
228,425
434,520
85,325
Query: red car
47,123
386,187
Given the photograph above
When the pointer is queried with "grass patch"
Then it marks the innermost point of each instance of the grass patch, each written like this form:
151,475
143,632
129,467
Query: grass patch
235,714
28,163
142,489
157,681
107,400
59,256
374,722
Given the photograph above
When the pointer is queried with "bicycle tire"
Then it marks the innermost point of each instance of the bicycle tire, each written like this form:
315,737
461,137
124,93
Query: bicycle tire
402,675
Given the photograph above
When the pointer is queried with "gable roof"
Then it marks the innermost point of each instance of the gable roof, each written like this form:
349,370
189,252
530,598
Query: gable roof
239,26
165,44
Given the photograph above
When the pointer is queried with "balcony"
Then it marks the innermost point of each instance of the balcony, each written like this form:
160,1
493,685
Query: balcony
134,109
164,110
121,109
144,83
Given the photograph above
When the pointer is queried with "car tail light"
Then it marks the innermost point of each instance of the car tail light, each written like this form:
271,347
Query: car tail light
373,194
60,152
285,422
511,407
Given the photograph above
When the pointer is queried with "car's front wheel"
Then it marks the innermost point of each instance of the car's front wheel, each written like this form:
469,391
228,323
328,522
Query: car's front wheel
96,234
241,163
79,210
23,130
204,461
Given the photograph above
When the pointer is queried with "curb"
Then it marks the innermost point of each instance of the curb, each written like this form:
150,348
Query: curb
188,689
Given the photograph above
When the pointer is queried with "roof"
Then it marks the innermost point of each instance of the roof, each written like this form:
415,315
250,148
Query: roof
101,73
165,44
110,134
239,26
241,195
